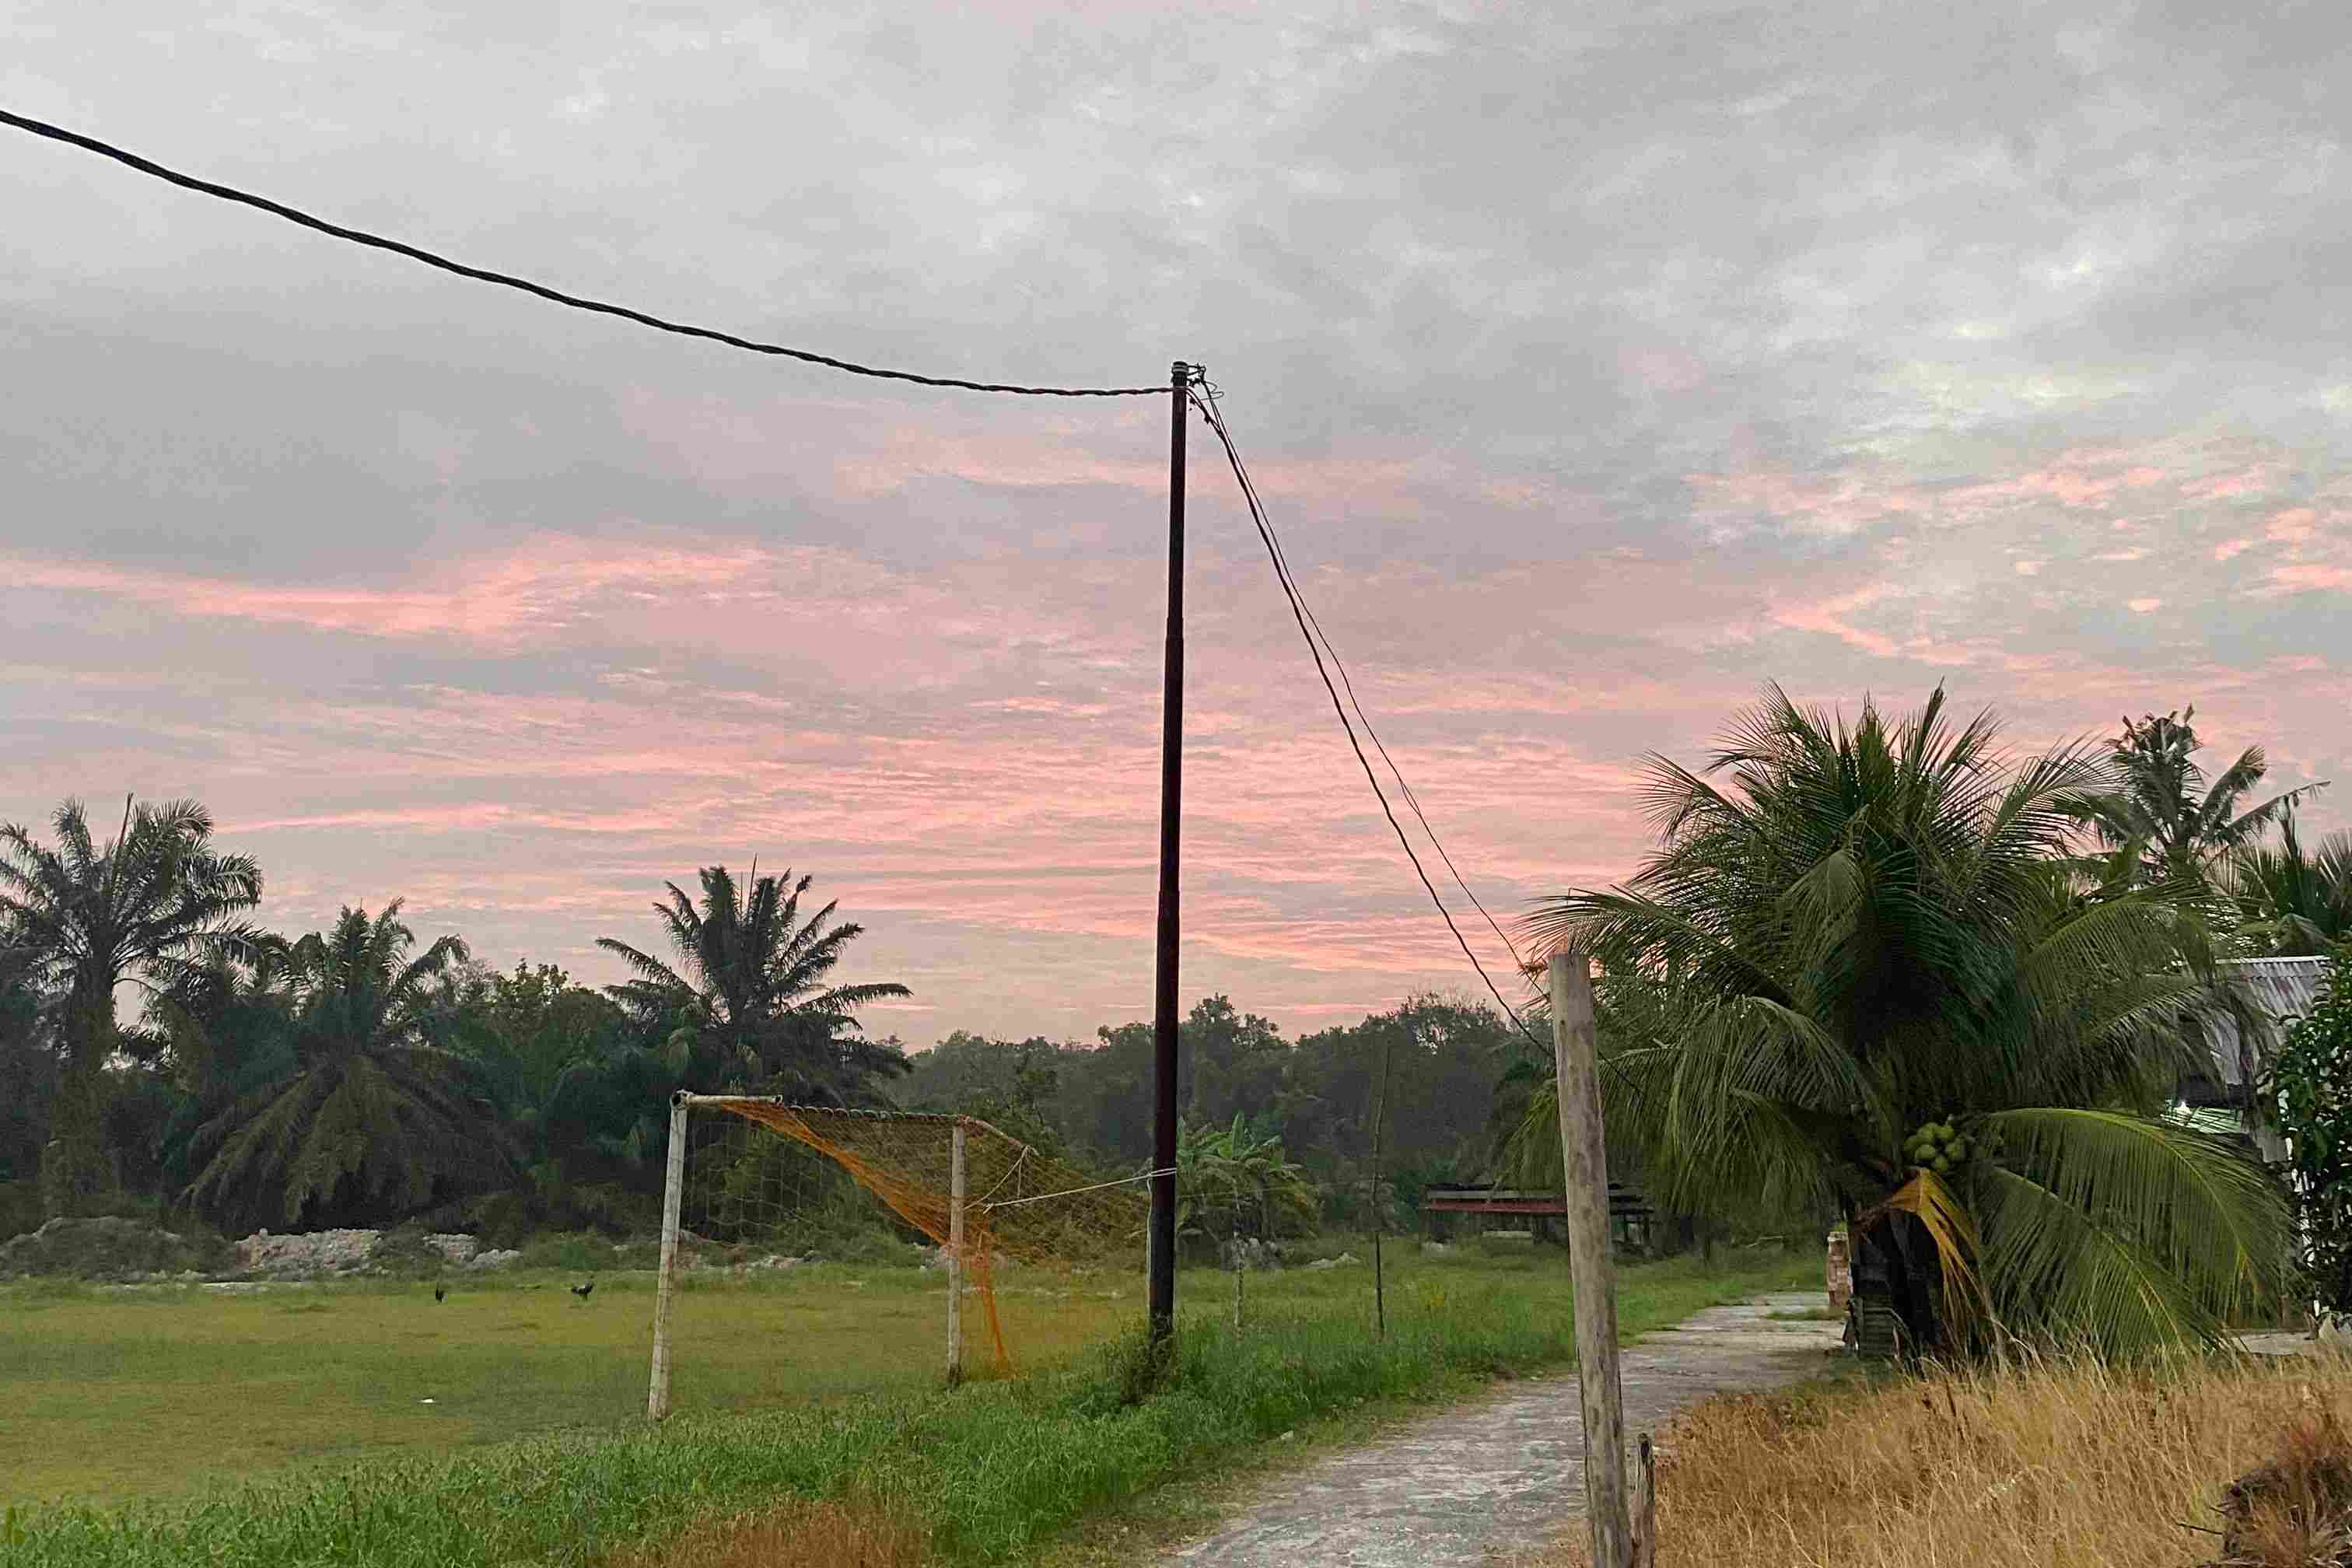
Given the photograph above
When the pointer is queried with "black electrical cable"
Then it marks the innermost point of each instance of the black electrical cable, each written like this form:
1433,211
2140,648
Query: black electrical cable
507,280
1299,612
1211,393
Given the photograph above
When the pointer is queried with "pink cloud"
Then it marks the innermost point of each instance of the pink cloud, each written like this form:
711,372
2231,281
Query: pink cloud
1830,616
2302,575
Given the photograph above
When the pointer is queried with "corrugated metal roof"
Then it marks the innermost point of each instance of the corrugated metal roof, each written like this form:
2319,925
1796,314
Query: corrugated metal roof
2279,989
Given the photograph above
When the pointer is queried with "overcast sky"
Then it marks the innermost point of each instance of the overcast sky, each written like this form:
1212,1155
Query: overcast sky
1596,373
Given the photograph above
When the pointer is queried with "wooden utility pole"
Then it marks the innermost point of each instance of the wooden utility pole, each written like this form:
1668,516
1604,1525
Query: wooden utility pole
1379,1217
1585,1159
1165,1021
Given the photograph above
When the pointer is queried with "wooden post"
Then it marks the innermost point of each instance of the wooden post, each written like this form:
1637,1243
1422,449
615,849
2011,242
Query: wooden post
672,1194
1380,1205
955,1256
1584,1157
1645,1505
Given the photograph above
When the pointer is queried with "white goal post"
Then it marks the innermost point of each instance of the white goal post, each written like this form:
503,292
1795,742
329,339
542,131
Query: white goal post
657,1399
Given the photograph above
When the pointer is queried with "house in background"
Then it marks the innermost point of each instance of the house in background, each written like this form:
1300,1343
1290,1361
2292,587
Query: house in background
2277,991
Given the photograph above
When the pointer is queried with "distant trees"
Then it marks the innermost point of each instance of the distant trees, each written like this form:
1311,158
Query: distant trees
375,1116
85,920
2291,902
348,1076
1313,1098
2174,824
1014,1086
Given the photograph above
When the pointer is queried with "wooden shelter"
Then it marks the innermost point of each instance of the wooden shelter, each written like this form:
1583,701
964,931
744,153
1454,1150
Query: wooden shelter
1632,1220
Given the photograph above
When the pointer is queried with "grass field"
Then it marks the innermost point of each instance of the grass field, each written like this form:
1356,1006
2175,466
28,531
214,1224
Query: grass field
817,1384
117,1394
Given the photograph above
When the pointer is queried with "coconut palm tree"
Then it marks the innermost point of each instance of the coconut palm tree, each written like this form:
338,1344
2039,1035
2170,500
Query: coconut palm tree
155,901
2162,811
372,1117
1862,974
748,1006
2295,905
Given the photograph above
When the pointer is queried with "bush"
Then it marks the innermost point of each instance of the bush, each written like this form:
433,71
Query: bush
2310,1095
20,1208
108,1248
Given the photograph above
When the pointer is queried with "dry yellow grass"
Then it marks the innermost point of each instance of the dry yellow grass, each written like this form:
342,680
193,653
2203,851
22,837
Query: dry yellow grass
2065,1465
800,1535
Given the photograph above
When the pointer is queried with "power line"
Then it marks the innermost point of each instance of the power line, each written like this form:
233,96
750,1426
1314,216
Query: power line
1282,567
1299,612
507,280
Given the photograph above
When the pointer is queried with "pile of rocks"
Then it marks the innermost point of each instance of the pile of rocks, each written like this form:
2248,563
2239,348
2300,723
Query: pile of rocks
335,1252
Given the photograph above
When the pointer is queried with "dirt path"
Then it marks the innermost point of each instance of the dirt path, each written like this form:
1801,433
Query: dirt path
1500,1475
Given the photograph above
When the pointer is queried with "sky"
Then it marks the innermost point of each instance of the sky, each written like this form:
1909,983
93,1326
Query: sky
1596,372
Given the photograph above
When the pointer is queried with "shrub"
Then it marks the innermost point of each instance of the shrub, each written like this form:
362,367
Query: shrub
108,1248
2310,1094
20,1208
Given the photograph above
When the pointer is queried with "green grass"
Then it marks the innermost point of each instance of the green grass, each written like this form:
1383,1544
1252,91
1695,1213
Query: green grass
803,1387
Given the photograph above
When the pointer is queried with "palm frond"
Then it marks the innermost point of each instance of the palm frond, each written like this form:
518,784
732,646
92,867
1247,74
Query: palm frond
2206,1213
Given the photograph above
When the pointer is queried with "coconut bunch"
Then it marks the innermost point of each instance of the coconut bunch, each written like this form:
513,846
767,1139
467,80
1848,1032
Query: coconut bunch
1937,1146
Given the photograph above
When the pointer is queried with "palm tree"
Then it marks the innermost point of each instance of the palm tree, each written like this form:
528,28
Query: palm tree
1866,976
1233,1181
2164,816
227,1028
152,903
751,1009
2295,905
374,1117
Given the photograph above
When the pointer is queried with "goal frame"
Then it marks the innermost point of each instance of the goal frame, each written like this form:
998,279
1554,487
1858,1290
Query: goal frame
657,1393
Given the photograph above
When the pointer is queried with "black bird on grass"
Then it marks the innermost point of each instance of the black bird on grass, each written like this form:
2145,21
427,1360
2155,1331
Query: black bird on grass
581,1290
440,1292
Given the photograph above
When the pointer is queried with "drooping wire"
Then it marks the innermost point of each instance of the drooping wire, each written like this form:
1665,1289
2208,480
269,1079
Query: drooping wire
507,280
1211,393
1208,406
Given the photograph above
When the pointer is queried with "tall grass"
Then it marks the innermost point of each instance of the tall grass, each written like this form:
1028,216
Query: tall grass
977,1477
2065,1464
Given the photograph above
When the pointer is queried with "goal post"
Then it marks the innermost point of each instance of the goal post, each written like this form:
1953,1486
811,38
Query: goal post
981,1197
673,1195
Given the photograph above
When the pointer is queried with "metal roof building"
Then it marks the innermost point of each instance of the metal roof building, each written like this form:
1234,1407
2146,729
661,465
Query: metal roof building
2276,991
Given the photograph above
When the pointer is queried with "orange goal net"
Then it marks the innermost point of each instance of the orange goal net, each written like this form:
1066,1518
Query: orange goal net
751,1173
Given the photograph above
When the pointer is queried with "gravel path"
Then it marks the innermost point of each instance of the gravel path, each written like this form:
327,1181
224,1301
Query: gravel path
1498,1475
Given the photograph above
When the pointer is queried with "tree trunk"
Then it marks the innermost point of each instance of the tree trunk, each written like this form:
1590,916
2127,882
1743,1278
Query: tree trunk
1895,1283
73,1166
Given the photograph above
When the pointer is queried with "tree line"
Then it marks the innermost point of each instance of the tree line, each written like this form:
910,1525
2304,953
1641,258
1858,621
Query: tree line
163,1053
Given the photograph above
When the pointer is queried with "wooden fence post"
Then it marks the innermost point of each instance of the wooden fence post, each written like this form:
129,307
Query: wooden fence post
1645,1504
1584,1158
